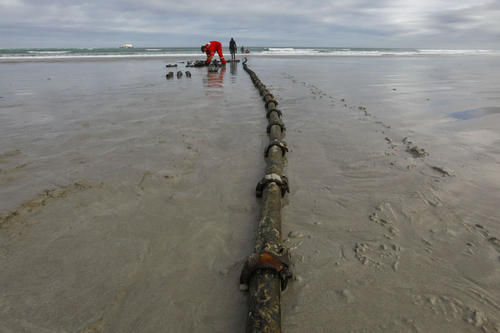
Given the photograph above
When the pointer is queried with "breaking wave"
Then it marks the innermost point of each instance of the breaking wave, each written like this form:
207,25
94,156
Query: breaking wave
164,52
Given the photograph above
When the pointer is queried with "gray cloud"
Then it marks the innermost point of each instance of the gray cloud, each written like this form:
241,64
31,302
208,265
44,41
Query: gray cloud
384,23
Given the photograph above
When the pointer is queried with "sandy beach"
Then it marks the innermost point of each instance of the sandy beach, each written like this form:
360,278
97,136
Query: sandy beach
127,200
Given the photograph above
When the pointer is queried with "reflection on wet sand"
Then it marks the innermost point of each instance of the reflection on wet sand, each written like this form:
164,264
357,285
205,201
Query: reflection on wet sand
475,113
233,68
214,82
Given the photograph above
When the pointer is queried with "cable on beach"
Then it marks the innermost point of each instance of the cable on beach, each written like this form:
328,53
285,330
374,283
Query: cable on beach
267,271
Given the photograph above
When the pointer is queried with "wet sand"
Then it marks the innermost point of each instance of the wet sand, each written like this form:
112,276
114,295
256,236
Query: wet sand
127,200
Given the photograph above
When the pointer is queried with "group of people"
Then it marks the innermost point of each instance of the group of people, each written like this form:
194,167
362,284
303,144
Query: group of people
214,46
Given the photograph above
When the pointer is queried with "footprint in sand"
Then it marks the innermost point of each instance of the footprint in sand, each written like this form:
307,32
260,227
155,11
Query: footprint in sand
453,309
444,171
378,255
492,240
385,216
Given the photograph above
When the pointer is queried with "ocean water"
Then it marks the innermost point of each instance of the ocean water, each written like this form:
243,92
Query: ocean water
35,54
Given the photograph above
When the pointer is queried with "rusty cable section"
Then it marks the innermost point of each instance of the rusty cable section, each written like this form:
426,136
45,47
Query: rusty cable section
267,271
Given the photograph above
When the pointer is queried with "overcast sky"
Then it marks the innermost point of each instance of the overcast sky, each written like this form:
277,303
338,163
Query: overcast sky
458,24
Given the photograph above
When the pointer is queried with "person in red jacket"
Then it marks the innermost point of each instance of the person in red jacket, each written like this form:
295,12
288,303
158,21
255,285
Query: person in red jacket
210,50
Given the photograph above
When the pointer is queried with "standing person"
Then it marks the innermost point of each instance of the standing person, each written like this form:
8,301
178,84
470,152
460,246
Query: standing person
210,49
232,48
242,49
